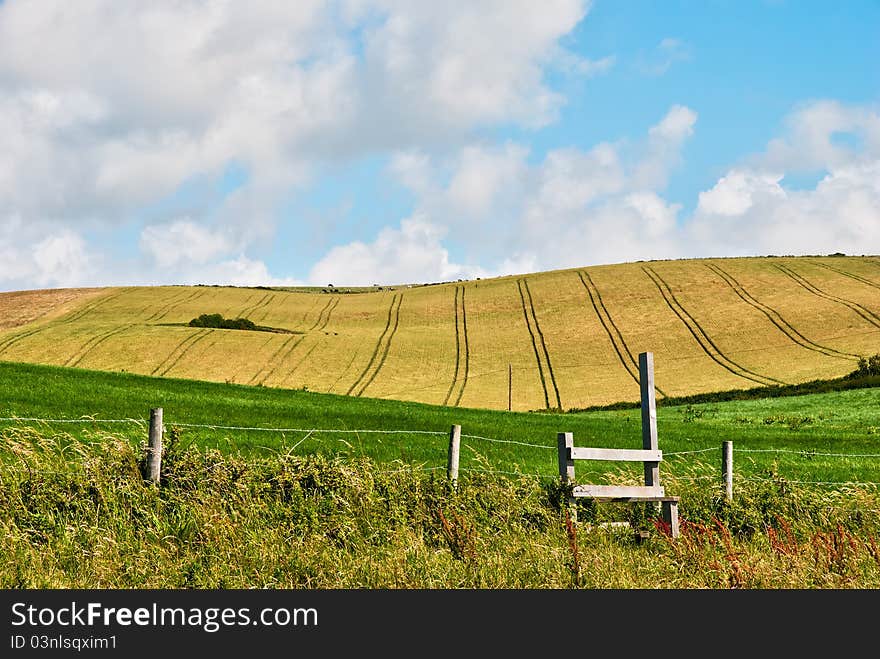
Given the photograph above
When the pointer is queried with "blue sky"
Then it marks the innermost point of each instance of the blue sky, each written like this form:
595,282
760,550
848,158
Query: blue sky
381,141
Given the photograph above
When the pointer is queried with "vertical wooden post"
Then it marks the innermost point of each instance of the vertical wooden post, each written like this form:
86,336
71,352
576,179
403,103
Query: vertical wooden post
670,516
155,450
727,469
509,386
564,444
649,415
454,452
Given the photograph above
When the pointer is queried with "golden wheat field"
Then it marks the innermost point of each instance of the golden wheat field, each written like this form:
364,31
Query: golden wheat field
561,339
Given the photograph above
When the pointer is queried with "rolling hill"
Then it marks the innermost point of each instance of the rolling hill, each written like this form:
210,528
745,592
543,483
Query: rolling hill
566,338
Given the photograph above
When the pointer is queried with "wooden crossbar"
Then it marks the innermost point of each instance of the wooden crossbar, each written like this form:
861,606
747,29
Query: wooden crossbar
623,454
635,492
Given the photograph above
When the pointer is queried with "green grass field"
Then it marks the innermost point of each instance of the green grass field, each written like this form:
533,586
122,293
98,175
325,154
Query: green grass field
790,436
304,509
570,338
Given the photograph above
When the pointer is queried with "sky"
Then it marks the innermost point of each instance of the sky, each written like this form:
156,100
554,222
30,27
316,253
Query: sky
360,142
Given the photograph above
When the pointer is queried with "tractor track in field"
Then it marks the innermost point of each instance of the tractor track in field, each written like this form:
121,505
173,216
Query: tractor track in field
702,338
321,314
330,308
192,298
864,313
354,355
93,343
776,318
461,339
537,337
267,309
302,360
183,347
179,296
263,301
616,337
278,358
859,278
396,299
387,346
9,341
543,344
308,311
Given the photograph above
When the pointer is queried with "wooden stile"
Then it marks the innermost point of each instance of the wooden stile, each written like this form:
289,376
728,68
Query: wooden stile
650,456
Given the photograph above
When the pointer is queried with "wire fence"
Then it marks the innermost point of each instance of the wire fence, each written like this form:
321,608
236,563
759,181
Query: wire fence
310,433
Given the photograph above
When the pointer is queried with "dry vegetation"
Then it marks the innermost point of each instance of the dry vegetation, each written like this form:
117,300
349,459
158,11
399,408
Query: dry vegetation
571,337
23,307
80,515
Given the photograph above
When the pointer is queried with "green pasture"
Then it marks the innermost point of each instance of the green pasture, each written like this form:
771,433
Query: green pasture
823,439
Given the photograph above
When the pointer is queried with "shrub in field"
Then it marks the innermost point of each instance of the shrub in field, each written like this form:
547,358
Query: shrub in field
218,321
867,367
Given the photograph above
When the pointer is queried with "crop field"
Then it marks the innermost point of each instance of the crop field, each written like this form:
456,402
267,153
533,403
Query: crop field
564,339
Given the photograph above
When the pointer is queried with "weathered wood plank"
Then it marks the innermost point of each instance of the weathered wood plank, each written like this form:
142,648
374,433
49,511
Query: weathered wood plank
454,453
727,469
639,492
154,463
565,444
623,454
670,516
649,415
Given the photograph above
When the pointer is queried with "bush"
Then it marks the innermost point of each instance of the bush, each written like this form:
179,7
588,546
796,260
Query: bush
867,367
218,321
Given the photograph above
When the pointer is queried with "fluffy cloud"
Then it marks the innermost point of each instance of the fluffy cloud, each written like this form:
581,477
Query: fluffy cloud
606,204
59,260
183,241
412,253
750,210
572,208
115,106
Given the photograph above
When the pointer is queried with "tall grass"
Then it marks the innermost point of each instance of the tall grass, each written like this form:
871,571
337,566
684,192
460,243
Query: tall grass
79,514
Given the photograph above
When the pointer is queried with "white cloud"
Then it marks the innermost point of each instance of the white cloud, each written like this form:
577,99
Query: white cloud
735,193
240,271
663,153
412,253
116,105
183,242
824,134
750,211
669,51
572,208
483,174
31,259
606,205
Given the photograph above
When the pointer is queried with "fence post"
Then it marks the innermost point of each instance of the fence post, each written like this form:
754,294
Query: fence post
727,469
649,419
155,450
509,386
564,444
454,452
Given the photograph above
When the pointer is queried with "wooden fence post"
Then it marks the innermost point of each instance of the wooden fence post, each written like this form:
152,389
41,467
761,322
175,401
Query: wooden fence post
649,418
155,450
454,452
727,469
564,445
